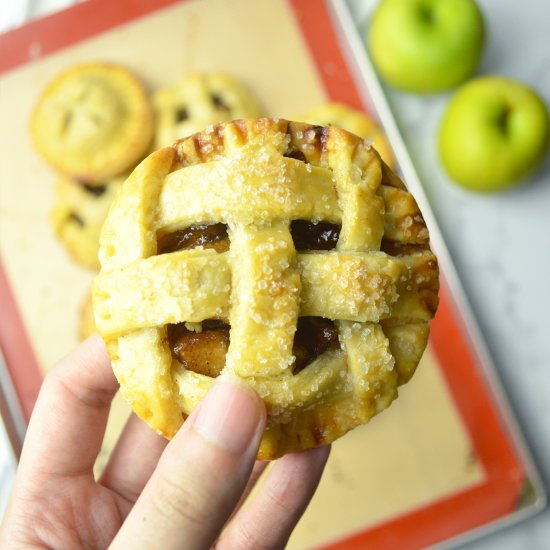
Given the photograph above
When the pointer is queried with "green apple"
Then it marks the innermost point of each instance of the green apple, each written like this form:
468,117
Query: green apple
426,45
495,132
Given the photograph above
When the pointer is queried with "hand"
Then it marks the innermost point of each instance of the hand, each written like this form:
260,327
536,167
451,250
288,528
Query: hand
152,494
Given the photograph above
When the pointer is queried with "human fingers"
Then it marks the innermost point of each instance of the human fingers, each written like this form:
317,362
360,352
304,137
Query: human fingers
267,521
258,469
133,459
201,474
69,418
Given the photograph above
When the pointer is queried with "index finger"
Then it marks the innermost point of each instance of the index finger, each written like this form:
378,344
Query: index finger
68,421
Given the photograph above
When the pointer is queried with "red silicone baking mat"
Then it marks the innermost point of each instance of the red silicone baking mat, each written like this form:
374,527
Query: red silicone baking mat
444,459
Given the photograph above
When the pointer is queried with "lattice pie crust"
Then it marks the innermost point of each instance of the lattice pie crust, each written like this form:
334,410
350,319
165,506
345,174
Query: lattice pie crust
378,286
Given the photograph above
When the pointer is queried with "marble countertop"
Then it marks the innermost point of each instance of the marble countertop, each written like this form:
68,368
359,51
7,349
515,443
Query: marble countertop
499,243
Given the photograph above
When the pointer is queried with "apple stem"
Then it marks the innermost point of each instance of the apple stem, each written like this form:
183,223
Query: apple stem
504,118
426,13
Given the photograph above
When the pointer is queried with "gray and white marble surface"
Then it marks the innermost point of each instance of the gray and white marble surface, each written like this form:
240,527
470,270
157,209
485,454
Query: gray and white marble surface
500,243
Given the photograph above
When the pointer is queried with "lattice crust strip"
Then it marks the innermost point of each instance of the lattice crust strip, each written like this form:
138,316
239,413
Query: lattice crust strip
379,284
193,285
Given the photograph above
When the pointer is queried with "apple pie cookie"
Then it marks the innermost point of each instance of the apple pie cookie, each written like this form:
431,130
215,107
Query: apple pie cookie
354,121
93,121
286,254
78,214
198,100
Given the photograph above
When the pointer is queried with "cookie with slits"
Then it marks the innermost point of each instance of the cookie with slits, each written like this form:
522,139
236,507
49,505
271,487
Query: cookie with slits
198,100
78,214
93,121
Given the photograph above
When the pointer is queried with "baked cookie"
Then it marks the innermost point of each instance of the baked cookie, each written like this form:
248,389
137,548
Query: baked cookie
286,254
93,122
197,101
354,121
78,214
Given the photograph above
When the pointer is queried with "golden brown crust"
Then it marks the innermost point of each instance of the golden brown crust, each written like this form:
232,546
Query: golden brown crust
93,121
354,121
256,176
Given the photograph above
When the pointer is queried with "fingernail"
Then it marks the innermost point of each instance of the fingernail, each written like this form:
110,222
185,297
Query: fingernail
231,415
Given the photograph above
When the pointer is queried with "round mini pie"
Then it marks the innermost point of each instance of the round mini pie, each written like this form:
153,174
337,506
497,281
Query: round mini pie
198,100
78,214
354,121
93,122
86,322
286,254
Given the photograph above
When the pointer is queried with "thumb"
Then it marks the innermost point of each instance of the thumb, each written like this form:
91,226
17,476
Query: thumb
201,474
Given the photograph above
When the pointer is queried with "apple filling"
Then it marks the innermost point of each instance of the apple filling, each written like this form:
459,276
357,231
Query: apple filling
202,347
208,236
203,352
